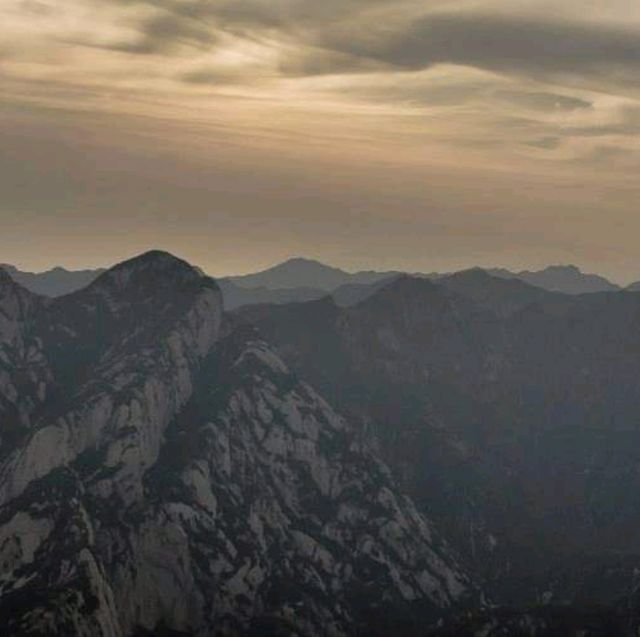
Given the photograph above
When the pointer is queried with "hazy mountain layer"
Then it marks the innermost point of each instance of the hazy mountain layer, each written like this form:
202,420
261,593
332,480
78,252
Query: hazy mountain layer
306,273
566,279
55,282
301,280
508,412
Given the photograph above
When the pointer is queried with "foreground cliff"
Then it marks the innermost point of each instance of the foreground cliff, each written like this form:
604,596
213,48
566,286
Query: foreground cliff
162,470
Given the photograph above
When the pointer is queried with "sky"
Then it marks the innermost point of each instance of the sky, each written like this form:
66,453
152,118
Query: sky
388,134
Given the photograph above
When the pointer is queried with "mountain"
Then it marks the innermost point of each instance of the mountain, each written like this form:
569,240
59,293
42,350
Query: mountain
55,282
236,296
162,472
507,412
301,280
559,278
634,287
503,296
351,294
346,295
306,273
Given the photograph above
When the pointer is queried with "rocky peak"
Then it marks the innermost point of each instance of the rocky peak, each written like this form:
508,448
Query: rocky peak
147,273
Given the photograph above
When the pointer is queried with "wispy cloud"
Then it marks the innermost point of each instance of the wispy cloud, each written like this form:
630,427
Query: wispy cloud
541,88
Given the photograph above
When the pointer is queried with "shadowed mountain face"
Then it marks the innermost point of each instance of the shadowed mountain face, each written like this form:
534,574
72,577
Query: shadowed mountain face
509,412
163,472
55,282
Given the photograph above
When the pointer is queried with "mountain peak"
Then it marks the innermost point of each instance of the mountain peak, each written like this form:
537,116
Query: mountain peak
296,272
568,269
148,284
472,274
155,258
5,277
155,266
404,288
306,261
568,279
307,265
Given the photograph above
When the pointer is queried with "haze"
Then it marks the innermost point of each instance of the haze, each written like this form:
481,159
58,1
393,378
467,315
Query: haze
416,135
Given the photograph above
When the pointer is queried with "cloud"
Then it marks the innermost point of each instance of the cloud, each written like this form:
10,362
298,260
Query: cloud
543,101
545,143
504,43
163,33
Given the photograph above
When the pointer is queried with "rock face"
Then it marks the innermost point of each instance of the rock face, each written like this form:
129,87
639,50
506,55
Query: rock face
162,472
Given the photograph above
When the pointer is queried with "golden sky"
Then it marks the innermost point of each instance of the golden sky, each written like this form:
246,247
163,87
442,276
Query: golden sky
419,135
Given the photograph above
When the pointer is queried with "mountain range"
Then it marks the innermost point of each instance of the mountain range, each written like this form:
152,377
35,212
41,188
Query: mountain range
55,282
506,411
300,280
447,455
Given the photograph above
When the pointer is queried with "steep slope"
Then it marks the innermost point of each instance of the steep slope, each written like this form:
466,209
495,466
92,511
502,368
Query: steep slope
24,372
399,364
55,282
175,476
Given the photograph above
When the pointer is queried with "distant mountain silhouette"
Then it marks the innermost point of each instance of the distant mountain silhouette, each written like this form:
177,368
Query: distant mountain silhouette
500,295
306,273
634,287
306,279
346,295
567,279
55,282
300,280
236,296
